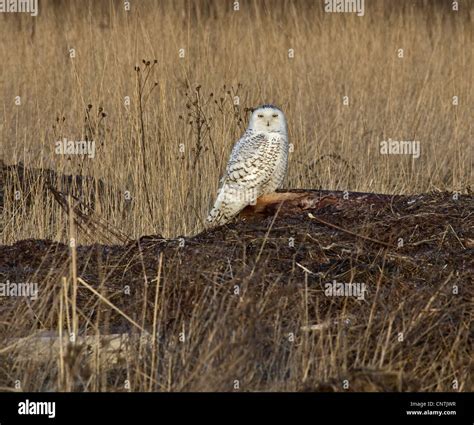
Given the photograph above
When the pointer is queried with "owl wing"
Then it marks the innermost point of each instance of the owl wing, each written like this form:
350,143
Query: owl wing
244,176
246,160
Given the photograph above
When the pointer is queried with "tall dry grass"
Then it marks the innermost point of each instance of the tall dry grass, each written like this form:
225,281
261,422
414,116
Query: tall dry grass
168,148
182,136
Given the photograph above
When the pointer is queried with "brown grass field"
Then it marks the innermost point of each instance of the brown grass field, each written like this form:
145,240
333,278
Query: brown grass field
164,92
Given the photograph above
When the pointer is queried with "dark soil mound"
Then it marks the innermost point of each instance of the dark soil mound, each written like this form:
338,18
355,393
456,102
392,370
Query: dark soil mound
251,298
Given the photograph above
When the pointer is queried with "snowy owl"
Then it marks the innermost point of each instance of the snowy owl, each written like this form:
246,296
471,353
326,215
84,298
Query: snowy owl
257,164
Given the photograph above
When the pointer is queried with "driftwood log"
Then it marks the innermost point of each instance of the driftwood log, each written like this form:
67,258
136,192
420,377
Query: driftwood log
293,201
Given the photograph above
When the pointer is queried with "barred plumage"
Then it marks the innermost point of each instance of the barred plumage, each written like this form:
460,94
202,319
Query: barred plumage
257,164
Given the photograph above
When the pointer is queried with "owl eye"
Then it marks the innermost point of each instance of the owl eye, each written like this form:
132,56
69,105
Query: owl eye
260,115
275,115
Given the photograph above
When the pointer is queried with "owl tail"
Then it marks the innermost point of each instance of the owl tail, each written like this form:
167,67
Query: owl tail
216,217
219,213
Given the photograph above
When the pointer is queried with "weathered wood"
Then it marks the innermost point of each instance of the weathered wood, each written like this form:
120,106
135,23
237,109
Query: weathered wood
292,201
43,347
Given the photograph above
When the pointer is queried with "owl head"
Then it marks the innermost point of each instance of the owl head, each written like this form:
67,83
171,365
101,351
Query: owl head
268,118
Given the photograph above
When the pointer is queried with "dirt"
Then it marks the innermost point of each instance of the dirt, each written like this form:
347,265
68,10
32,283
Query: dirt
411,252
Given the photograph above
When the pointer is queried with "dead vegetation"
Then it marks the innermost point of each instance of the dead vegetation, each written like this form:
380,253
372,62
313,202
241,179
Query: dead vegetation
246,302
162,148
146,299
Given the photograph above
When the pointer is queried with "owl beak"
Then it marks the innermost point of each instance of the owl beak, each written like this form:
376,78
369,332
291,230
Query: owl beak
268,123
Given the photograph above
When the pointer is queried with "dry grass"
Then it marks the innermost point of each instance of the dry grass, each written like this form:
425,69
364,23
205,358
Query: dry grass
246,303
335,146
168,149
